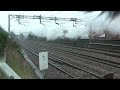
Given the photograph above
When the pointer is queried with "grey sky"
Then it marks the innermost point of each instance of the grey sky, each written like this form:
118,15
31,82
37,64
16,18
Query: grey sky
52,30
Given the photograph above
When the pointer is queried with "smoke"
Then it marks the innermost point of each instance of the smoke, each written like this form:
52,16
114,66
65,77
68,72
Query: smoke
53,31
114,26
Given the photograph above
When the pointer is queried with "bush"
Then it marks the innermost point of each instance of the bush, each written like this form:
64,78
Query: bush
3,40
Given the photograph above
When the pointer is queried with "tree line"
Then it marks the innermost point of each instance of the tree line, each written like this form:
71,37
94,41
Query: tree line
3,40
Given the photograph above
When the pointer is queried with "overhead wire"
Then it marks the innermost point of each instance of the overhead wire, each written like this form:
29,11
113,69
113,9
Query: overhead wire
48,12
56,13
53,14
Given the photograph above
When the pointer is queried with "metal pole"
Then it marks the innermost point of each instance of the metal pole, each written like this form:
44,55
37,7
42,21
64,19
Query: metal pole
42,74
90,33
40,19
9,25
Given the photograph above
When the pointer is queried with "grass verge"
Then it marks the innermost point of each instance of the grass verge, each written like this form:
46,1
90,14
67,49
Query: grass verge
16,61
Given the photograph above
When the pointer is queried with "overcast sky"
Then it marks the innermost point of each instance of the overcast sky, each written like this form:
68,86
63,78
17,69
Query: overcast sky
52,30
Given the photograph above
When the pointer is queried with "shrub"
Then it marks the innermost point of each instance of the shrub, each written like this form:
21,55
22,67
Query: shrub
3,40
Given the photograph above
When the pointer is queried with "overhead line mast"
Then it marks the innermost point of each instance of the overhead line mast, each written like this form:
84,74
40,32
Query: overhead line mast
19,17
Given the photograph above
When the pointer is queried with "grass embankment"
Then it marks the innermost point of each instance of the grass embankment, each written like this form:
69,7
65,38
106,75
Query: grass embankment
16,61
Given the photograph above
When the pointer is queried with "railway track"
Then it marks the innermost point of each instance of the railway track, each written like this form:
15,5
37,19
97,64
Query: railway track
104,49
112,53
68,64
65,63
107,52
34,59
98,64
92,48
107,62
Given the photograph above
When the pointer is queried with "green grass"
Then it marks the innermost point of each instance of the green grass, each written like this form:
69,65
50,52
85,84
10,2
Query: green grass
17,62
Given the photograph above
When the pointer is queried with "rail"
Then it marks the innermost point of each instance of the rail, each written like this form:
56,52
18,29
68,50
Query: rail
35,52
